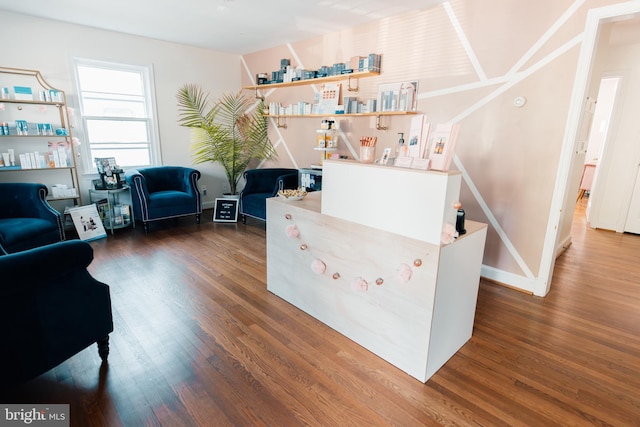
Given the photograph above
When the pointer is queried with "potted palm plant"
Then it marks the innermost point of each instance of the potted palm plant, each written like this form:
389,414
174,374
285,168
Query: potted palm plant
228,132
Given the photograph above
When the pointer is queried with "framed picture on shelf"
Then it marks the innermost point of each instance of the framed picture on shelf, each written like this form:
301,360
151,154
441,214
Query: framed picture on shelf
385,156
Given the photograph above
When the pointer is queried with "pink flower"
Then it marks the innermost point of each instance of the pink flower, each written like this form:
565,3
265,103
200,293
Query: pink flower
318,267
404,273
360,284
292,231
449,234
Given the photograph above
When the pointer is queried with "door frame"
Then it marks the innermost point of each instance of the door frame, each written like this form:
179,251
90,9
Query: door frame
595,18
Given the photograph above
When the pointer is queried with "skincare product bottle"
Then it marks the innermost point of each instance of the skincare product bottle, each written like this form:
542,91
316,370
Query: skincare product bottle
460,222
402,150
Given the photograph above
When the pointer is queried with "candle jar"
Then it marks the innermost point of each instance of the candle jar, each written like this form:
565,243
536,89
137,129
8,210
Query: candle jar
367,153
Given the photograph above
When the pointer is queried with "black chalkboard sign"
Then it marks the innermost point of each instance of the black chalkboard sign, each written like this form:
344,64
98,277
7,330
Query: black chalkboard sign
225,210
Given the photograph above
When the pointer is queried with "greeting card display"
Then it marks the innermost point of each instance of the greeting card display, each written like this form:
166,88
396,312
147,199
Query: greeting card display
109,173
418,133
442,145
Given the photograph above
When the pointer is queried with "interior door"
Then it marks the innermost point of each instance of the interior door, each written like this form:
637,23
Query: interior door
632,224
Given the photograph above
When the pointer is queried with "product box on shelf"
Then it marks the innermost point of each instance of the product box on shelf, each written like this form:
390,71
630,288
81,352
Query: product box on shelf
61,190
23,93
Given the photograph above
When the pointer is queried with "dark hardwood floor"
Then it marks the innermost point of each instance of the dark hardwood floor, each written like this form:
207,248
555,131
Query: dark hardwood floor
199,341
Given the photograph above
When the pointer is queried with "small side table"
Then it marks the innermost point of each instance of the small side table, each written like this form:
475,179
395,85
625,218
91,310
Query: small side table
114,214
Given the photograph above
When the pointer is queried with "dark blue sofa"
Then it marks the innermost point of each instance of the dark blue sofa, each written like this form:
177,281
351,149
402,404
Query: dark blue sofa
27,220
163,192
262,184
50,309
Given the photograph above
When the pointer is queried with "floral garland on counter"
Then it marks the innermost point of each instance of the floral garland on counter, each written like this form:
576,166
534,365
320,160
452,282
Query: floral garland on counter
404,271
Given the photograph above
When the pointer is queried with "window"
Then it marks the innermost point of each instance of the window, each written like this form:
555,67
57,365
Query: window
117,108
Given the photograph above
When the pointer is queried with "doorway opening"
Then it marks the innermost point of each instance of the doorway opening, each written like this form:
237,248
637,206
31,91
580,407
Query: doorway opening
598,137
563,201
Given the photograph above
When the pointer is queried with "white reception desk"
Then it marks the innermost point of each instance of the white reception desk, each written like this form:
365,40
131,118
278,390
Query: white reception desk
358,266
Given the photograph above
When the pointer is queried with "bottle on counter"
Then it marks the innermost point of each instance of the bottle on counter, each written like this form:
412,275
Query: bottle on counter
402,149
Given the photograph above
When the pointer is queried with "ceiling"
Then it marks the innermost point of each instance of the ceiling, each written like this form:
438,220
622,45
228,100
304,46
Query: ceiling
233,26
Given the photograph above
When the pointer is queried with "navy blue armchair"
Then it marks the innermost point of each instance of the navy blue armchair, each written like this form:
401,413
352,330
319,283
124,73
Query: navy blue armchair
27,220
262,184
50,309
164,192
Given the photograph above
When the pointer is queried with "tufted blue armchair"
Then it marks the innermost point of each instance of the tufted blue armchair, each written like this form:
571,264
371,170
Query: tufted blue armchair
26,218
262,184
50,309
163,192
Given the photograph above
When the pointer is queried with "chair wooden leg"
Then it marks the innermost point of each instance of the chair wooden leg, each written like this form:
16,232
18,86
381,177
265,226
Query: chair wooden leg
103,348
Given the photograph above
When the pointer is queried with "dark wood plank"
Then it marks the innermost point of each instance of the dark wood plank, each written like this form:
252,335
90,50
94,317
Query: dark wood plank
199,341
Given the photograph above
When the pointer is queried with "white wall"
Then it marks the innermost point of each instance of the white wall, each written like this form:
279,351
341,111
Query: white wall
48,46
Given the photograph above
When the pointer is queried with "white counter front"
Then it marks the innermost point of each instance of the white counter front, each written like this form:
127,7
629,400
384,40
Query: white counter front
408,300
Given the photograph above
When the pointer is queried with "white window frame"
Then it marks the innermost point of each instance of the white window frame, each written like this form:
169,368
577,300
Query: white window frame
146,71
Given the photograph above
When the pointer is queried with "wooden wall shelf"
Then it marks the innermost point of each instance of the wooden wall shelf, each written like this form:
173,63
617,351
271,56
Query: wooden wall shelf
318,80
376,114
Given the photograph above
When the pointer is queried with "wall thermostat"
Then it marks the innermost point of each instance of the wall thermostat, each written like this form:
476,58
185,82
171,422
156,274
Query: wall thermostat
519,101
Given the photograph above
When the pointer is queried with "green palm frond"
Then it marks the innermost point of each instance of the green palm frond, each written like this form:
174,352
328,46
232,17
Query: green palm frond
230,132
193,103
